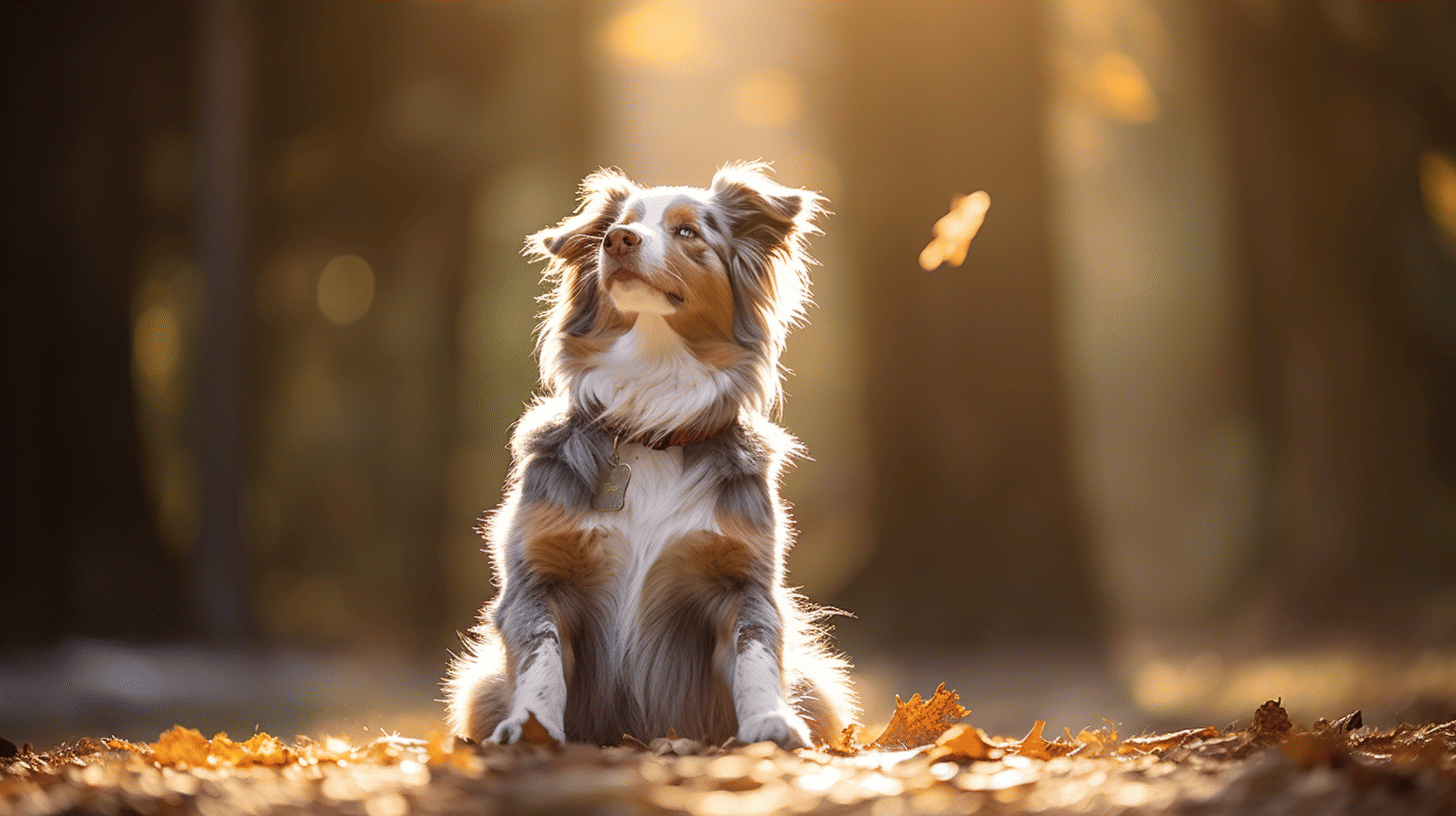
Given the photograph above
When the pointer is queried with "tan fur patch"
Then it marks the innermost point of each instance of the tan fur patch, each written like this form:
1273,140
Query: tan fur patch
680,214
577,354
559,552
707,313
708,558
720,354
756,542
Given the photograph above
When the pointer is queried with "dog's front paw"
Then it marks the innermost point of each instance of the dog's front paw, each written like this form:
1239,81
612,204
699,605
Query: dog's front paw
782,726
526,727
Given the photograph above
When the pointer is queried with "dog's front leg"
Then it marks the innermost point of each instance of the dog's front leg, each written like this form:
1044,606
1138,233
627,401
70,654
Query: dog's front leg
533,645
758,689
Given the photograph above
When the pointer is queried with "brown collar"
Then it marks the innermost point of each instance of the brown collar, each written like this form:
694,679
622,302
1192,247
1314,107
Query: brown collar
656,441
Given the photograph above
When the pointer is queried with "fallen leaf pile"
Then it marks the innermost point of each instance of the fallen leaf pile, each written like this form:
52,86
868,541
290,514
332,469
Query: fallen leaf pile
923,761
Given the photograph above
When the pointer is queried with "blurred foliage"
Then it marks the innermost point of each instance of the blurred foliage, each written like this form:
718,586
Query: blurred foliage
1239,436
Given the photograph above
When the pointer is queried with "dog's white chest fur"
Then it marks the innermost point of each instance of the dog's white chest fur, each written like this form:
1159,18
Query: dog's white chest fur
663,502
649,380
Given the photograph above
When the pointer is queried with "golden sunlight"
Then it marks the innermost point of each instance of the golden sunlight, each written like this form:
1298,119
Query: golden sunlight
661,34
157,344
1122,90
346,289
767,98
1438,187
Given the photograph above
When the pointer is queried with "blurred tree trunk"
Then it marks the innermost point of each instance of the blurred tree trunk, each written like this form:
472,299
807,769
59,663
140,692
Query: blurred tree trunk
1154,326
1329,109
393,134
977,532
84,89
220,585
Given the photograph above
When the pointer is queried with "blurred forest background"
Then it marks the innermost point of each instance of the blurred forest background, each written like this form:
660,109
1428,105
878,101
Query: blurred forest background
1177,437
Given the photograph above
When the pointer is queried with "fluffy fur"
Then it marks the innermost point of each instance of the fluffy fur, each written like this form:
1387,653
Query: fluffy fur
660,346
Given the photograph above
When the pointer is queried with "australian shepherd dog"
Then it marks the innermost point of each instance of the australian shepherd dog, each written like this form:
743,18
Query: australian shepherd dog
639,550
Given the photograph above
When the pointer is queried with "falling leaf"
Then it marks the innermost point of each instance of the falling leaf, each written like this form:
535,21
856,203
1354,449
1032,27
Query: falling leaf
1438,188
920,722
954,231
1314,750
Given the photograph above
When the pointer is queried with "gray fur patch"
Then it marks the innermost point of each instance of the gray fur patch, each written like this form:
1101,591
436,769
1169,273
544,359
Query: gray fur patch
552,481
748,498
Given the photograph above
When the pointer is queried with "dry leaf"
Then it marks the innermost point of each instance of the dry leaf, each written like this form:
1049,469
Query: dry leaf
1153,742
534,733
1350,722
920,722
964,743
954,231
180,746
1271,721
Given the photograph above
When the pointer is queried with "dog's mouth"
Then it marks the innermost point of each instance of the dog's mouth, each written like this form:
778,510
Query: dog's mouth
631,279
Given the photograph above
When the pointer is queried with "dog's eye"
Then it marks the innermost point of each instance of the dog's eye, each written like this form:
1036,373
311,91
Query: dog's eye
685,231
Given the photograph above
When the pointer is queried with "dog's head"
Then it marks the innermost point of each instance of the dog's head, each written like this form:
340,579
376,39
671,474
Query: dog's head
725,267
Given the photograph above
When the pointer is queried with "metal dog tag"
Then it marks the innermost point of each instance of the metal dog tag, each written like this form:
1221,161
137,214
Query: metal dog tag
612,488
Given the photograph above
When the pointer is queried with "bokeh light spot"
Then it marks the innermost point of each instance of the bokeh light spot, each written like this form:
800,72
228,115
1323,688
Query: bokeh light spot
1122,90
157,344
660,34
1438,187
767,98
346,289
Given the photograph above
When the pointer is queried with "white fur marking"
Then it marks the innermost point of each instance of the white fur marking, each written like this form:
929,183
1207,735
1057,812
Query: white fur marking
650,381
758,700
635,296
663,503
539,690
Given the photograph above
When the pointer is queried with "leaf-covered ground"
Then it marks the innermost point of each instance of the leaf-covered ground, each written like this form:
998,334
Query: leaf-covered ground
924,761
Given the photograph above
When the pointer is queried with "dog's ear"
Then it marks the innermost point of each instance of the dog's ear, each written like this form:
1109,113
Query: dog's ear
769,225
760,209
600,196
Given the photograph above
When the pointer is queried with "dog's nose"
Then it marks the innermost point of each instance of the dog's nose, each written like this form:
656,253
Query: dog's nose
620,240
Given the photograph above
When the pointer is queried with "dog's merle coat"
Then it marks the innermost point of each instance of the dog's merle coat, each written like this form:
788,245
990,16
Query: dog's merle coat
660,349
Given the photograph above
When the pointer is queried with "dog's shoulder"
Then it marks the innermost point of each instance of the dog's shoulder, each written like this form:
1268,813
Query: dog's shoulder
542,427
752,446
552,431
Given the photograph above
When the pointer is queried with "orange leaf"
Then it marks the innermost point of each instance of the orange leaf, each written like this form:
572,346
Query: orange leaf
265,749
223,751
964,743
181,746
954,231
920,722
1033,745
1154,742
534,733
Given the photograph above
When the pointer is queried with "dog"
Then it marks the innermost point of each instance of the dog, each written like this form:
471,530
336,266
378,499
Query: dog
639,550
